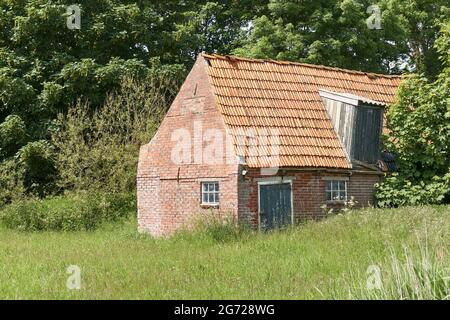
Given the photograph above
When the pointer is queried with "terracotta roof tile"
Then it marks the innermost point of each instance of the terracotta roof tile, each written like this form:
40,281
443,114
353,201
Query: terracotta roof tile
273,109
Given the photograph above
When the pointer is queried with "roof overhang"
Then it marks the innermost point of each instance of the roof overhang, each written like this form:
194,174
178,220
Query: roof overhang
349,98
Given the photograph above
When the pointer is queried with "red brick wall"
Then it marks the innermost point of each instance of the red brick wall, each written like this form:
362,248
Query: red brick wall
168,191
308,193
362,188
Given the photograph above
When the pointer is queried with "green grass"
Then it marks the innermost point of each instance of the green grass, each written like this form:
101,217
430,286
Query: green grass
318,260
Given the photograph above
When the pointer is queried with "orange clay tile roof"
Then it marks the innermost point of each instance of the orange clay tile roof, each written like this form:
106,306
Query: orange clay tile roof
284,97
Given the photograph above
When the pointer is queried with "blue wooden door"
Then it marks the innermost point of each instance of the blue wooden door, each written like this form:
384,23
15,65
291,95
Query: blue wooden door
275,205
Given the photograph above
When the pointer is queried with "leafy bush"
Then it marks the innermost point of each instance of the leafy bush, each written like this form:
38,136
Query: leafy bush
12,135
99,151
395,191
81,211
38,161
420,137
11,182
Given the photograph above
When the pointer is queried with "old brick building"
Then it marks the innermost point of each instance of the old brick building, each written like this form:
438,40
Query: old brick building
268,142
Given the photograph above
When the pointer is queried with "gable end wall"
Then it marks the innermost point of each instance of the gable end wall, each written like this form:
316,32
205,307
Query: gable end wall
169,192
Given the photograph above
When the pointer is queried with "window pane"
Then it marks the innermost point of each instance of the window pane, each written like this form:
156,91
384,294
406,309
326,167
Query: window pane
336,190
210,192
335,195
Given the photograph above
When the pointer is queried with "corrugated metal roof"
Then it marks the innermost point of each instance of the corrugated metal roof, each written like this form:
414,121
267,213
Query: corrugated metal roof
274,112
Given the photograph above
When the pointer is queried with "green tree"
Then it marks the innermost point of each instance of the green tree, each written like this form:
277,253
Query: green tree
327,32
12,136
336,33
419,122
45,66
214,26
422,21
419,125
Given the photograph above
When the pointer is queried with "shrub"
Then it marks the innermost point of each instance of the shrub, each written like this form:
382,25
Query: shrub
11,182
396,191
38,162
12,135
78,211
99,150
419,136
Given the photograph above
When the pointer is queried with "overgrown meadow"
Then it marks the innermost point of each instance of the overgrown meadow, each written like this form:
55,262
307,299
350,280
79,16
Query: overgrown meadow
337,258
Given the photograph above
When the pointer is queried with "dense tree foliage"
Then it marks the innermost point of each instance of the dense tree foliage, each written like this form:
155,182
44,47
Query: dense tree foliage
419,135
45,67
327,32
336,32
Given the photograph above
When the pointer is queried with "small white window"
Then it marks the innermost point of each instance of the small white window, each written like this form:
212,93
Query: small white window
336,190
210,193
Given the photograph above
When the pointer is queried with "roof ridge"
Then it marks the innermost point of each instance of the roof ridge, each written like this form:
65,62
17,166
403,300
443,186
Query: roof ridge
315,66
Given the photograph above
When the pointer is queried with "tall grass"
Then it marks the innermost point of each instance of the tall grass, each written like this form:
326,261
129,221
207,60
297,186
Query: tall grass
317,260
409,275
219,227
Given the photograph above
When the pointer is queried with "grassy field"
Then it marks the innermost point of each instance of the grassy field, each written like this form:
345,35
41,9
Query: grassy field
318,260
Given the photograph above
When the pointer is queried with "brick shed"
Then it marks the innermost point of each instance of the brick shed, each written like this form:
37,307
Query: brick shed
267,142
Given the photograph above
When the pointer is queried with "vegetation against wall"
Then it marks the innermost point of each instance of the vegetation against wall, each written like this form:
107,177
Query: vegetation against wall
419,125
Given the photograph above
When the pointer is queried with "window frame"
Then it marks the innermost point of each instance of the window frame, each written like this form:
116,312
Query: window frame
335,184
215,192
